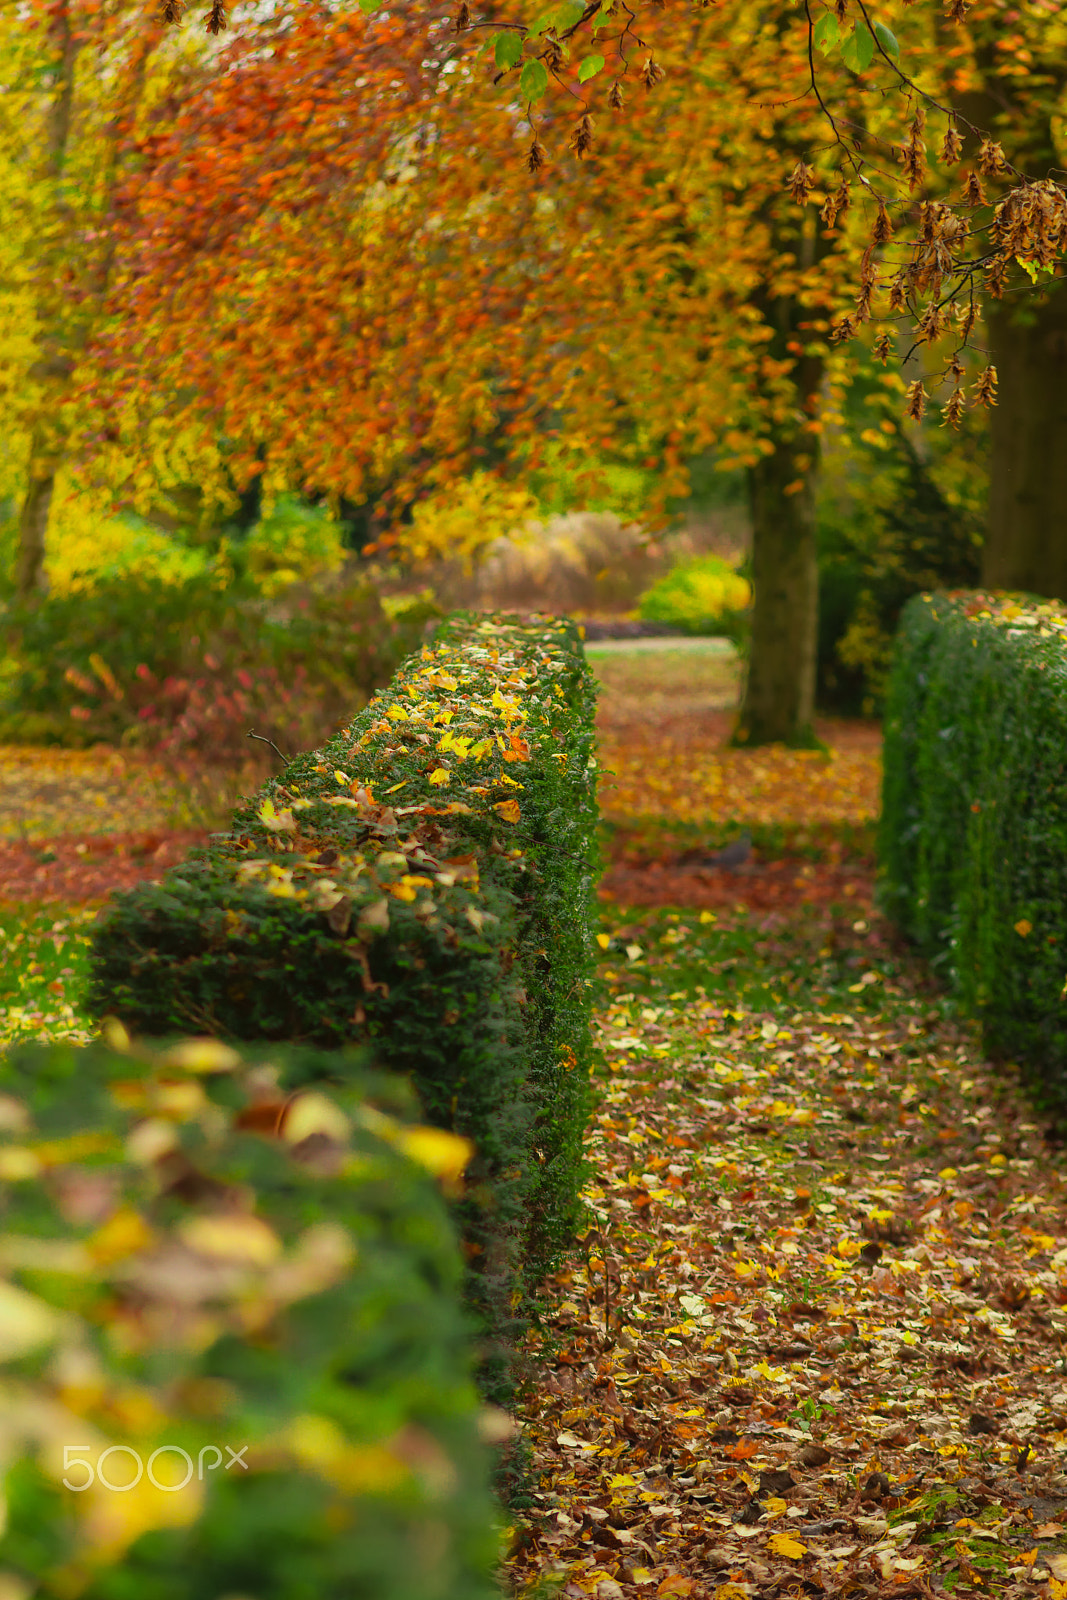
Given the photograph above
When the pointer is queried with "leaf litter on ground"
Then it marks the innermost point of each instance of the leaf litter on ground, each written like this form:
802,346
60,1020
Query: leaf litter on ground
48,792
813,1341
665,720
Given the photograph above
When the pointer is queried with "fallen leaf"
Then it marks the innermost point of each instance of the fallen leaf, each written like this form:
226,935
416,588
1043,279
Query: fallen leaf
782,1544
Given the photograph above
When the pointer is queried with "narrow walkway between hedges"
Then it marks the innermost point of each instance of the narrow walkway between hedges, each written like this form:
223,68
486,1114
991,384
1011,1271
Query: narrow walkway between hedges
816,1344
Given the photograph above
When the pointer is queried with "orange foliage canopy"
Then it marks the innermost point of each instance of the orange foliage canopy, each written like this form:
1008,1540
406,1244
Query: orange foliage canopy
991,84
336,261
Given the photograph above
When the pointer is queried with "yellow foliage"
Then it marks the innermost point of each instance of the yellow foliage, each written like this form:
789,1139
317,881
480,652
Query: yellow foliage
88,542
458,523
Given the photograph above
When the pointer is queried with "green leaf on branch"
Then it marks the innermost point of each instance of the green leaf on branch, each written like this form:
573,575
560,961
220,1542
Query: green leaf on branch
827,33
887,40
566,14
533,80
508,51
857,52
590,67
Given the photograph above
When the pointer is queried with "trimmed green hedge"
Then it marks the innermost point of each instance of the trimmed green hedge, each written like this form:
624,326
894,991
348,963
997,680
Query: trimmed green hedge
193,1260
973,839
422,884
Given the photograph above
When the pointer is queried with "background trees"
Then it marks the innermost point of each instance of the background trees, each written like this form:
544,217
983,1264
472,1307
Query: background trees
342,260
79,83
371,295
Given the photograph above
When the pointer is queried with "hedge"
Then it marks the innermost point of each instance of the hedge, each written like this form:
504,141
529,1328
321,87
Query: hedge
974,825
422,884
194,1261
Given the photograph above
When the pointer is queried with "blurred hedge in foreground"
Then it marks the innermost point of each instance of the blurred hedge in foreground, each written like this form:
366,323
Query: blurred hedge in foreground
423,884
195,1261
973,839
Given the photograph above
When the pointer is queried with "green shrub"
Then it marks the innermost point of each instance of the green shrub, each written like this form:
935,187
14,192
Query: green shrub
126,659
296,543
423,883
196,1260
703,596
973,838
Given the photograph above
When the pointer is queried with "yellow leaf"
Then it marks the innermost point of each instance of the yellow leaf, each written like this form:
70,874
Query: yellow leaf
314,1113
439,776
121,1235
202,1055
25,1322
318,1443
603,940
150,1140
112,1521
1023,928
444,1154
781,1544
508,809
237,1237
276,821
676,1584
18,1164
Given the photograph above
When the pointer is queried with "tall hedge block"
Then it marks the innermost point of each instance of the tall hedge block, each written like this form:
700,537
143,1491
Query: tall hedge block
233,1357
422,885
974,825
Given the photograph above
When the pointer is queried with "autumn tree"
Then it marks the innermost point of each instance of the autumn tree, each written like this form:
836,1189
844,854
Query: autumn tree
388,284
1010,73
980,227
77,81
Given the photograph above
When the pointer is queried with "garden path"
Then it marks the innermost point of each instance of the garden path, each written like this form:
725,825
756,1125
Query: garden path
813,1343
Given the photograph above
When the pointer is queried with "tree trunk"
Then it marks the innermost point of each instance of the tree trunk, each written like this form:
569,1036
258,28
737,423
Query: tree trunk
779,702
1026,541
33,525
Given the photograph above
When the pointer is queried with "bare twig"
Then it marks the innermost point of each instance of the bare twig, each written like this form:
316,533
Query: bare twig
252,735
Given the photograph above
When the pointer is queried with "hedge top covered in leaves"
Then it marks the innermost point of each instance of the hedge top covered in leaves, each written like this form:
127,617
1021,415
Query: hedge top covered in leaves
471,752
974,827
196,1261
461,743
